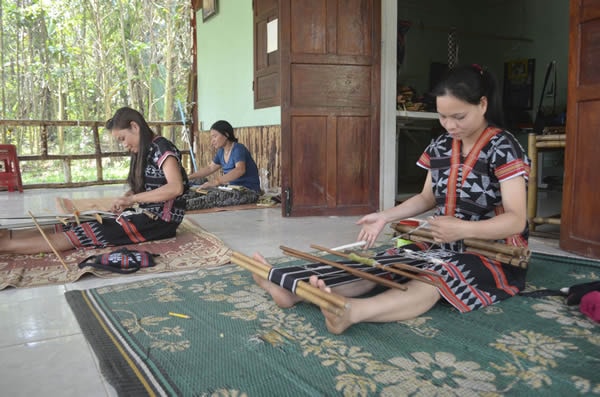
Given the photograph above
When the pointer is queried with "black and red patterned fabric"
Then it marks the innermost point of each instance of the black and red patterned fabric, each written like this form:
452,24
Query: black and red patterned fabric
152,221
469,189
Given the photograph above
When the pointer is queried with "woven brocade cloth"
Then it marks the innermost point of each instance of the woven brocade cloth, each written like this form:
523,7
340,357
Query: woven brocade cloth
197,199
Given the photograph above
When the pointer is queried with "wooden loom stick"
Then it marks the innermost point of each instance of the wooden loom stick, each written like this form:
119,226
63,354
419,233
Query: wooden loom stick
475,243
48,241
503,258
522,263
380,266
333,298
76,214
357,273
326,300
402,266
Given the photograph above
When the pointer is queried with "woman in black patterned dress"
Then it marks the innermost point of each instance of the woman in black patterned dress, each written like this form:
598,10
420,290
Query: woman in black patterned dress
476,185
152,209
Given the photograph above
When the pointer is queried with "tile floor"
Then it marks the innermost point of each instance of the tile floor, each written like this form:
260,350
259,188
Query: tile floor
42,349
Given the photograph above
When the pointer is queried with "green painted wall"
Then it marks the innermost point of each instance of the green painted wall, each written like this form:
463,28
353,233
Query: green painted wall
225,68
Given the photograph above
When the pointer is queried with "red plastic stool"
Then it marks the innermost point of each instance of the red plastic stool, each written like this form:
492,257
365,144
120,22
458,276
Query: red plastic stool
11,177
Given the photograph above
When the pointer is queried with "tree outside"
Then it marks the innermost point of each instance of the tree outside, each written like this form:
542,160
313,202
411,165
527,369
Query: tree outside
83,59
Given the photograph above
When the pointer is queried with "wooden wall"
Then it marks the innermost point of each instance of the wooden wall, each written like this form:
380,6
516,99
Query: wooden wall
263,142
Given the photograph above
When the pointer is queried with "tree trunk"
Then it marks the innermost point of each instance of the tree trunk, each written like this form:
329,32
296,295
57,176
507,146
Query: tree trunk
130,75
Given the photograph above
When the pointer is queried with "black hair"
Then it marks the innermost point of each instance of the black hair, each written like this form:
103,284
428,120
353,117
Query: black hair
122,119
469,83
224,128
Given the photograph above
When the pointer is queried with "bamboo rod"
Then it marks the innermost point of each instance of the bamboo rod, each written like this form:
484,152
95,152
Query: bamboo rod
532,152
45,220
388,268
326,300
499,257
358,273
76,214
48,241
520,258
551,144
476,243
551,221
551,137
498,247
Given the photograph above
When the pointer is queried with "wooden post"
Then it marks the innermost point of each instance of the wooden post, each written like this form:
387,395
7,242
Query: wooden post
532,152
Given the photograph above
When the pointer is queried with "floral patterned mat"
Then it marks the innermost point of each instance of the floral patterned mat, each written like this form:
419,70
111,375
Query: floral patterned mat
192,248
236,342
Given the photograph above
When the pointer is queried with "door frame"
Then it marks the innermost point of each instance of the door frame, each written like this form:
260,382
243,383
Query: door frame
388,157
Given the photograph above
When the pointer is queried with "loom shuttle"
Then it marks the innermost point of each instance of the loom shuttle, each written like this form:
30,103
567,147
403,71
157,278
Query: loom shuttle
178,315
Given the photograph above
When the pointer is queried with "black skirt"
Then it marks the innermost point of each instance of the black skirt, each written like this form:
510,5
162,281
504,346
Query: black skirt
132,229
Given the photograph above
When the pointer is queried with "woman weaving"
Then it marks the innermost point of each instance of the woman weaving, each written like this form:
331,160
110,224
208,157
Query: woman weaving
476,185
233,157
152,209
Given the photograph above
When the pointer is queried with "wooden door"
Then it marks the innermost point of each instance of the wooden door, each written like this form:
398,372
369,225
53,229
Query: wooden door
580,225
330,94
266,63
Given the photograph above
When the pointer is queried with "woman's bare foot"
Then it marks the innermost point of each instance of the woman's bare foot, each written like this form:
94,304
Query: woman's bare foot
336,324
281,296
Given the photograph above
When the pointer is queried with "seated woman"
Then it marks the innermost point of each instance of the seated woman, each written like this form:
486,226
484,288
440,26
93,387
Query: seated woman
240,173
238,166
151,210
476,183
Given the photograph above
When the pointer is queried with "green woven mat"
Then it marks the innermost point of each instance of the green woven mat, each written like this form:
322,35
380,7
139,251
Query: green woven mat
238,343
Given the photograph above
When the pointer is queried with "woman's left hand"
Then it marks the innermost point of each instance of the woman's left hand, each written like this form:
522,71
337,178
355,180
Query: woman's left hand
121,203
446,229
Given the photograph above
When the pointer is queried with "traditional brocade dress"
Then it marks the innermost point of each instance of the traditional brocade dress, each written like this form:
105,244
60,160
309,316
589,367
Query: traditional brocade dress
467,188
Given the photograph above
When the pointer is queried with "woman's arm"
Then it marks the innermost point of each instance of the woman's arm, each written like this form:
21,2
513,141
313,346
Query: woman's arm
171,190
206,171
372,224
511,222
237,172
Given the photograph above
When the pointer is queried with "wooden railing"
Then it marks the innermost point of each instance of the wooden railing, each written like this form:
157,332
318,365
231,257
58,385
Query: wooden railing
98,154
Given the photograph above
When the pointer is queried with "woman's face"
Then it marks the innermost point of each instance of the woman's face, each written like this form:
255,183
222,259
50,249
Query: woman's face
461,119
128,137
217,139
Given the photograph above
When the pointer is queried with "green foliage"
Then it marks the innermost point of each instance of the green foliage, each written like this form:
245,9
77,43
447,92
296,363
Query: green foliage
51,171
81,59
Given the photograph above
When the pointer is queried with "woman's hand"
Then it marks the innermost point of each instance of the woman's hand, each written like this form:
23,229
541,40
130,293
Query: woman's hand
212,183
121,203
372,225
446,229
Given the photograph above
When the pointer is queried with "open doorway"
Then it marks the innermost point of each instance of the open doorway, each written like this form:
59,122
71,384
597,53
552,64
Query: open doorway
433,35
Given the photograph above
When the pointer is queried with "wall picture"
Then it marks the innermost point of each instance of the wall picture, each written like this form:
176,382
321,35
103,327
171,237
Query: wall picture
209,9
518,84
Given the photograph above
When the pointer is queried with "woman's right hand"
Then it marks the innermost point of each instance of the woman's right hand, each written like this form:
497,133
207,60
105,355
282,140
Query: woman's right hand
215,182
121,203
372,225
